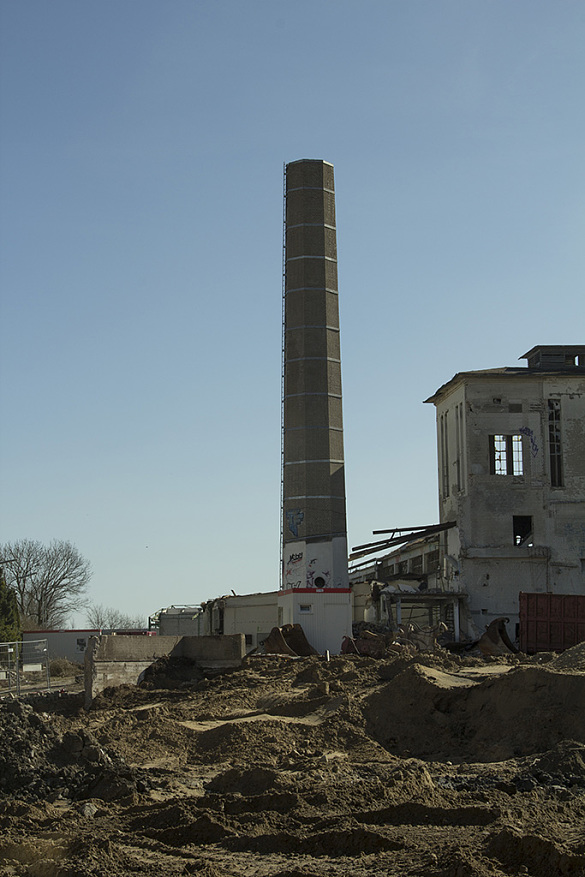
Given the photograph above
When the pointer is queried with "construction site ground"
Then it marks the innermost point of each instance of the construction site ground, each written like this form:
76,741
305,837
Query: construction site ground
428,765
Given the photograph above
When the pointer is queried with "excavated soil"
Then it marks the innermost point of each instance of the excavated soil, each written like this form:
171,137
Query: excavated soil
431,765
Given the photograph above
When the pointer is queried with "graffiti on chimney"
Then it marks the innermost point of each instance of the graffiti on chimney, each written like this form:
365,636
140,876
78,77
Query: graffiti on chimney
295,519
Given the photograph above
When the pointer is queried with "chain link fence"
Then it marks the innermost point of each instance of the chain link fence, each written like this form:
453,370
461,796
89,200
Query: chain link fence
24,667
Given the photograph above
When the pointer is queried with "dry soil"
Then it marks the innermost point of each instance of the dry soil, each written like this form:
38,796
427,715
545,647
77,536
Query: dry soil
433,765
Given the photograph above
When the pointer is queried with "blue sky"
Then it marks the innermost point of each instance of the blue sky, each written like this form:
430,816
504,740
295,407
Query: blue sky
141,226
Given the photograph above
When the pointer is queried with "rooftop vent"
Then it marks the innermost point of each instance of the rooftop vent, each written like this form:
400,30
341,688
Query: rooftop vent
548,357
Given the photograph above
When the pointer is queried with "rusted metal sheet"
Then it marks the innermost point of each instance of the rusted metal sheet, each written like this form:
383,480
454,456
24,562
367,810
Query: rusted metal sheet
551,622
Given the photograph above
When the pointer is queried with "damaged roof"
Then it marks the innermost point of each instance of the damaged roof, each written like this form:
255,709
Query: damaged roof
507,372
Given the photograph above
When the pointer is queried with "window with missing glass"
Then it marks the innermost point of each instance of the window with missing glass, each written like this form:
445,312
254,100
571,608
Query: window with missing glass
432,561
506,456
444,439
522,529
554,442
416,564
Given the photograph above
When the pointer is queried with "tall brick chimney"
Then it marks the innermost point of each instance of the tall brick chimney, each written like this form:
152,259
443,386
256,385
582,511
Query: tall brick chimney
314,529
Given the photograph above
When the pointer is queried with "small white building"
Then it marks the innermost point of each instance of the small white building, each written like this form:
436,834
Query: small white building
511,466
254,615
324,614
70,644
176,621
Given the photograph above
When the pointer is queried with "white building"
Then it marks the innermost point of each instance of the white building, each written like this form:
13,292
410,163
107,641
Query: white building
511,465
320,613
324,614
70,644
254,615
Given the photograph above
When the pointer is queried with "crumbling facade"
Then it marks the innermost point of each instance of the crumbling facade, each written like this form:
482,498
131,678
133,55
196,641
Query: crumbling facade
511,472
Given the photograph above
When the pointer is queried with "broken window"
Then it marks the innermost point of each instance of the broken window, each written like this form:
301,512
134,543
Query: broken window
522,529
432,561
506,455
459,446
444,455
416,564
554,442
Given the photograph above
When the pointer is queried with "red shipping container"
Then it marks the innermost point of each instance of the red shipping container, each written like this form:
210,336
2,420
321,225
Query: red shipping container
551,622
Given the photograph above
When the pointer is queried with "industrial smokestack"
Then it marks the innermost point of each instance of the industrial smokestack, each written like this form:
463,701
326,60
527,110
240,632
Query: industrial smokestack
314,529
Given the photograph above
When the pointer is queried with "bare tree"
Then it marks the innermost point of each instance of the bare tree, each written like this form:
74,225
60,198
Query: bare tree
107,618
50,581
9,617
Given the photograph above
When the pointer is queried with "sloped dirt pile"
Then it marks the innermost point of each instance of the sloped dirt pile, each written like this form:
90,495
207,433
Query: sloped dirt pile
532,854
428,767
171,672
37,763
422,711
572,660
566,760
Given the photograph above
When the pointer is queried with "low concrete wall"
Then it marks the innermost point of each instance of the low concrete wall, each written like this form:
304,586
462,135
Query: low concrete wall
120,660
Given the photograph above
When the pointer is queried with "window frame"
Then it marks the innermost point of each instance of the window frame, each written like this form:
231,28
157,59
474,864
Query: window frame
506,454
555,443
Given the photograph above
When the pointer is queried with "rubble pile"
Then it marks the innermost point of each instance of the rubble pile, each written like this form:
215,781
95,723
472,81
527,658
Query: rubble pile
418,765
37,763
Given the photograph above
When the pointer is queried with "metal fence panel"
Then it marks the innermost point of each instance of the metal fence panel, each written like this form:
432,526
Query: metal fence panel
24,667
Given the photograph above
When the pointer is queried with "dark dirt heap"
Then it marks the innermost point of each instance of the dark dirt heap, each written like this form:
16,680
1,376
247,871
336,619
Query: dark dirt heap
37,763
433,765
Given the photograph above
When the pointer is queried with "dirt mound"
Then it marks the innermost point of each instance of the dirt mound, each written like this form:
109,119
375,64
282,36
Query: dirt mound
573,659
171,672
566,759
534,855
253,781
437,766
38,763
425,712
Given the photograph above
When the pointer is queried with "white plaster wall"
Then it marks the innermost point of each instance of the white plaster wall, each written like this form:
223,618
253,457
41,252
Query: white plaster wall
326,623
70,644
305,562
361,601
254,615
182,623
295,565
485,504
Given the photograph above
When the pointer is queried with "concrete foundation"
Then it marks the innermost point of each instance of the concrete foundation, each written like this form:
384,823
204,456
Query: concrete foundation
120,660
